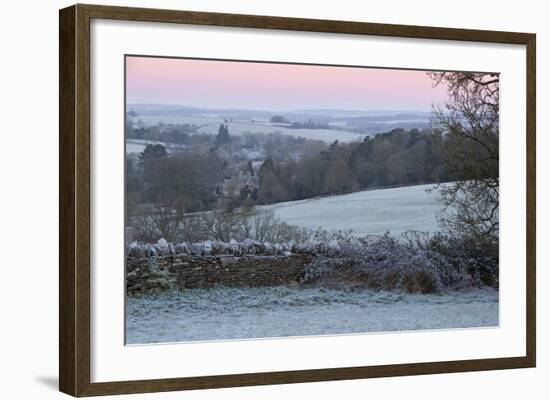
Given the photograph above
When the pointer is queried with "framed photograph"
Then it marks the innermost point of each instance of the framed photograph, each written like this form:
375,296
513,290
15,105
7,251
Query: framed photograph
249,200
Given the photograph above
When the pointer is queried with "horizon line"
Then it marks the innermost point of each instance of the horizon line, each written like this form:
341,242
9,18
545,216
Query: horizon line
278,111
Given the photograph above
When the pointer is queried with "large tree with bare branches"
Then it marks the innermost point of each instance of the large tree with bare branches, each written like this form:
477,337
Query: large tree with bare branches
470,124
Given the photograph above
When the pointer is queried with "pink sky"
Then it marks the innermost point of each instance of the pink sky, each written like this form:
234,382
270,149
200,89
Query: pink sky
269,86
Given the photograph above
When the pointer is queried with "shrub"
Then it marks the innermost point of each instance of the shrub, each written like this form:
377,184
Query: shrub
416,263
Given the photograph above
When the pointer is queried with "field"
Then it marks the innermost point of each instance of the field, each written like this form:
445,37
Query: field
367,212
210,125
138,145
237,313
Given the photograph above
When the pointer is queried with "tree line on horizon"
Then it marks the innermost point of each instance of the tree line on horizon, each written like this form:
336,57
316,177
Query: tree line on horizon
396,158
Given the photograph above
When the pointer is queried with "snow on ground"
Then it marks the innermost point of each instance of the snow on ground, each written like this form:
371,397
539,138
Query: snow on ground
238,313
210,125
367,212
138,145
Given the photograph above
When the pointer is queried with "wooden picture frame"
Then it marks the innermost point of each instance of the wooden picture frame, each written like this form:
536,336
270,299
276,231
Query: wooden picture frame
75,206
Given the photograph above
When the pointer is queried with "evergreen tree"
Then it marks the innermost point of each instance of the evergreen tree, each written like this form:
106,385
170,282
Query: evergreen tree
267,167
153,152
249,168
223,137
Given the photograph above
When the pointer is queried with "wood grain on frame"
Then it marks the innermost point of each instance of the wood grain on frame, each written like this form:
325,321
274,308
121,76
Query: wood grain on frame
74,199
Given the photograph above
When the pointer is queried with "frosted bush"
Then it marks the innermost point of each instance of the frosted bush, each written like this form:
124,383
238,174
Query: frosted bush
413,263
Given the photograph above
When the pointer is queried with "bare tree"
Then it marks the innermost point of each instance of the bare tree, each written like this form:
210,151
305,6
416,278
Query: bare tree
470,124
339,177
265,225
151,224
218,224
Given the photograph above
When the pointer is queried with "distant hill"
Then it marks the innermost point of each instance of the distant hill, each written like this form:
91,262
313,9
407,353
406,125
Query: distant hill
371,120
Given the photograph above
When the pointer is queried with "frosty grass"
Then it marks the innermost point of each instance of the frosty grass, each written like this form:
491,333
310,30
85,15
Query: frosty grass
239,313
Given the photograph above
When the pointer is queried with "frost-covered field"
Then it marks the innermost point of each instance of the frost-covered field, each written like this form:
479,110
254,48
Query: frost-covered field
238,313
367,212
138,145
210,125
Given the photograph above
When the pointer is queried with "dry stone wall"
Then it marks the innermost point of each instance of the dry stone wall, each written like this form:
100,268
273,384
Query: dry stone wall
158,273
